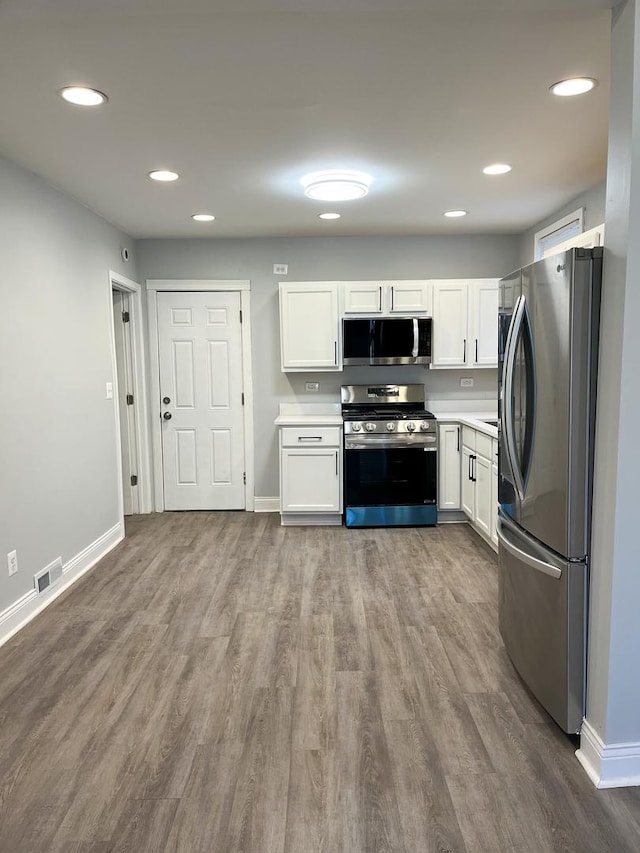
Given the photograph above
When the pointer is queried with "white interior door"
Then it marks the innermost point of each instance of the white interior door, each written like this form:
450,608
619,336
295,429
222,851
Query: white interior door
126,402
201,400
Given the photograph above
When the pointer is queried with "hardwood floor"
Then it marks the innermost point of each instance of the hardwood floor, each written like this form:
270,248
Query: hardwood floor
220,684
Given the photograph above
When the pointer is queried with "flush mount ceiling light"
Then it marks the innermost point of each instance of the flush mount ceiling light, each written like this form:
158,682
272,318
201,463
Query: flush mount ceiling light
336,186
573,86
164,175
454,214
83,96
497,169
329,216
203,217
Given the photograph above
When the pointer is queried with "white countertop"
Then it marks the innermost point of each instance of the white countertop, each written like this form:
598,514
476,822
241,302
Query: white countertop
475,421
309,414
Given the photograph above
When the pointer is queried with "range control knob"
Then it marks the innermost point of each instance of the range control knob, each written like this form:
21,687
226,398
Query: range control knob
411,427
424,426
370,427
391,426
356,427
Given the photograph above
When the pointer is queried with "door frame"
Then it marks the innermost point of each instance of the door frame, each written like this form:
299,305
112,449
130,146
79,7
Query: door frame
179,285
117,281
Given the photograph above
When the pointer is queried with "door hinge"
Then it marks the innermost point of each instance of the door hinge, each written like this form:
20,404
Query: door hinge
125,316
244,477
134,479
129,399
243,398
241,316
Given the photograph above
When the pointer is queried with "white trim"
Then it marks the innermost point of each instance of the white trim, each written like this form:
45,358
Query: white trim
26,608
121,282
266,504
556,226
189,286
197,284
615,765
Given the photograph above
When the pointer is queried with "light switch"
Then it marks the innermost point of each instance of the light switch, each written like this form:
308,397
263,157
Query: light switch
109,390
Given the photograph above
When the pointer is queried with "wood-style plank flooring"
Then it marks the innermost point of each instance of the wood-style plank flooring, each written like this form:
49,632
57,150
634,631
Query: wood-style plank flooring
219,684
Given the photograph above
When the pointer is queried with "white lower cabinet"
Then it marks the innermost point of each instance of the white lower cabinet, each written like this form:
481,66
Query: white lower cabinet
311,474
494,504
483,487
310,479
468,488
449,466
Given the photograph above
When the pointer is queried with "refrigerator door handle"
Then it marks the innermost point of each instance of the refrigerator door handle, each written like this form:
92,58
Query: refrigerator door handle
507,390
527,559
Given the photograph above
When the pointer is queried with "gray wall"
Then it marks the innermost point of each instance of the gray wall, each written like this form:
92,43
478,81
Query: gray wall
324,259
57,432
613,700
593,200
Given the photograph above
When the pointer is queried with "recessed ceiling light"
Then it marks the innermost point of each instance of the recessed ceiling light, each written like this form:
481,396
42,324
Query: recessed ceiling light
336,186
497,169
573,86
203,217
453,214
163,175
328,216
83,96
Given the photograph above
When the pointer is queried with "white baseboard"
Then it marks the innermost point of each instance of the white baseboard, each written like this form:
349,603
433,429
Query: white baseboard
315,519
615,765
22,611
266,504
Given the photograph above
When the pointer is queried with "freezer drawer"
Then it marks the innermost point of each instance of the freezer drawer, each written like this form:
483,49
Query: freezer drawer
542,614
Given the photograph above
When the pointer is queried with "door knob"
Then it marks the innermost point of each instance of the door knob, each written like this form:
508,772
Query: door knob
167,416
166,400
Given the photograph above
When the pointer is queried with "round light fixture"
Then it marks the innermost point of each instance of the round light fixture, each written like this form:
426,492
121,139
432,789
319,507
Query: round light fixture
83,96
573,86
454,214
497,169
164,175
336,186
203,217
329,216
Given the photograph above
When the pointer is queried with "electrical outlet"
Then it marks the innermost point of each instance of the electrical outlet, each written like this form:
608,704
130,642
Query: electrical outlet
466,382
280,269
12,562
312,386
109,390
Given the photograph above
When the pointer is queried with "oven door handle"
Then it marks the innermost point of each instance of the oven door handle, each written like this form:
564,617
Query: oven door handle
379,445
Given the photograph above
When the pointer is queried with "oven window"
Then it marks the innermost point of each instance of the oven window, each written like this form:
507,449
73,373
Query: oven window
391,476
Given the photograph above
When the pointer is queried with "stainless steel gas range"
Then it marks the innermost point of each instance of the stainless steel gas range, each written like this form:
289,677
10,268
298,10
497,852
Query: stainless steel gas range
390,456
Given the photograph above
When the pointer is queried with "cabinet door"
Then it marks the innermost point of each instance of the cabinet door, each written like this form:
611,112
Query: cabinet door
410,297
309,326
468,487
494,504
310,480
363,297
448,466
450,324
484,487
483,304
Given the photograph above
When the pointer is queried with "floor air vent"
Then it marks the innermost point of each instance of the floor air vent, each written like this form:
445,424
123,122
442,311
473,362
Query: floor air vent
48,576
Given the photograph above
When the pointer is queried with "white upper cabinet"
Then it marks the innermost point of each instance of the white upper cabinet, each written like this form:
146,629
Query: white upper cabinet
387,297
410,297
310,326
450,338
465,323
363,297
483,317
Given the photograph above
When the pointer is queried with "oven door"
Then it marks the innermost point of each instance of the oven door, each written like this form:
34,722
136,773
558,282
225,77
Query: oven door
390,485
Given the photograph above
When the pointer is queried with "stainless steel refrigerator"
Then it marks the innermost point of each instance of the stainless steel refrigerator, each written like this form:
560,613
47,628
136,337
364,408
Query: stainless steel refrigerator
547,352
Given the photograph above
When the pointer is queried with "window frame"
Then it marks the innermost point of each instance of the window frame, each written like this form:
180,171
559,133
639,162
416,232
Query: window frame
548,230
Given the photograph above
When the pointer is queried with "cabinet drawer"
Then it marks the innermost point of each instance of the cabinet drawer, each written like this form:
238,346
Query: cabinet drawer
311,436
469,437
484,445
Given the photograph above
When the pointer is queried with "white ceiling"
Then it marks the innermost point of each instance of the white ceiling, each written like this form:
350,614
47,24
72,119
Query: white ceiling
421,95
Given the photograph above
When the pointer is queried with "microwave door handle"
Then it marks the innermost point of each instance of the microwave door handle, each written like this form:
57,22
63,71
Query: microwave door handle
416,338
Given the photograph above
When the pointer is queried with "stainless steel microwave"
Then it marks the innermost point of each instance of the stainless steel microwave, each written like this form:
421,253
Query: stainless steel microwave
387,340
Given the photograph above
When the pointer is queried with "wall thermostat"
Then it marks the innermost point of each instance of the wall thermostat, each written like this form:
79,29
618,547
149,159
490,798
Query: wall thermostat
124,254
